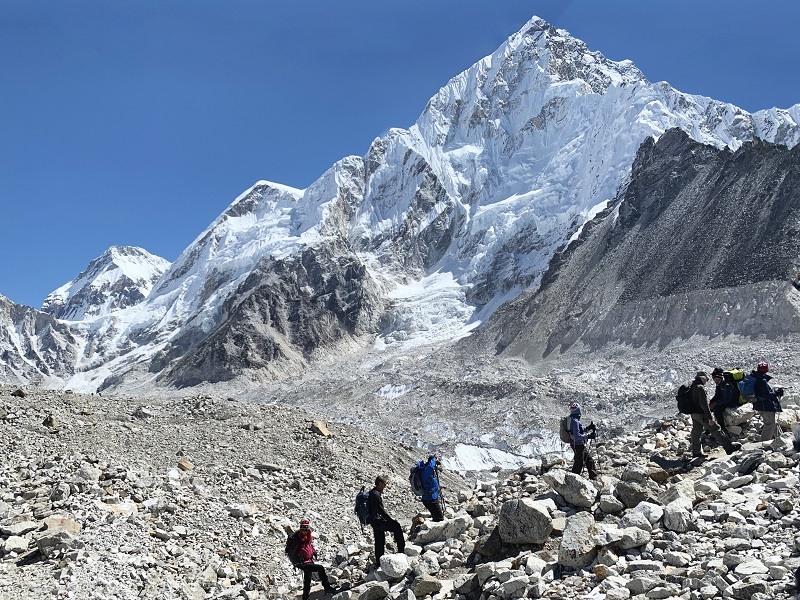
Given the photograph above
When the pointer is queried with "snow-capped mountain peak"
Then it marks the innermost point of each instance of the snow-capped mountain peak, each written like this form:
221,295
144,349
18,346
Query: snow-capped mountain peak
121,277
440,224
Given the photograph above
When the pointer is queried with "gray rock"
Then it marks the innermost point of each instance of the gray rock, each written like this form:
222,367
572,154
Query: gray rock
432,531
16,544
678,516
641,585
576,490
515,587
426,585
577,548
19,528
524,522
395,566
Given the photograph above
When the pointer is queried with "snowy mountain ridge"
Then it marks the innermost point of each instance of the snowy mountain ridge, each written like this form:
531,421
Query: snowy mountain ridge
122,276
451,218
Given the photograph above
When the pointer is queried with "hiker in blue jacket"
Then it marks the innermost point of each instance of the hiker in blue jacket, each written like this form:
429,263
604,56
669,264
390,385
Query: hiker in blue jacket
766,402
431,495
580,436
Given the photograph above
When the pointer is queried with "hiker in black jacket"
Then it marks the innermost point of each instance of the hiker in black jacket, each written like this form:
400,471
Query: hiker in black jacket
724,396
381,521
702,419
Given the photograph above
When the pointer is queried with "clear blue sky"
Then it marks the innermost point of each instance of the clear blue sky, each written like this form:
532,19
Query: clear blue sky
137,122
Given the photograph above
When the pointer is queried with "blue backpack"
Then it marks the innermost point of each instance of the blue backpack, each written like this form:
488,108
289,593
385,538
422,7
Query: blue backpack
747,389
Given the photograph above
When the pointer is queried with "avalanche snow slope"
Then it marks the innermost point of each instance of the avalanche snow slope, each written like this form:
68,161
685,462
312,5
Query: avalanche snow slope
505,163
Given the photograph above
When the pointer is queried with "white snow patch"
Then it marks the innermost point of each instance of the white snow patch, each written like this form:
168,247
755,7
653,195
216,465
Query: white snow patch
391,391
474,458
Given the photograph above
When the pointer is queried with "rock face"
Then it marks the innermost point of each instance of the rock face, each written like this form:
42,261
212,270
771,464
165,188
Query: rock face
671,259
103,504
280,318
34,345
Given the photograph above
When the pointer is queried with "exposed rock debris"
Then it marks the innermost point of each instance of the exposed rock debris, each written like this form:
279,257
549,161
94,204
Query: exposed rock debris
192,498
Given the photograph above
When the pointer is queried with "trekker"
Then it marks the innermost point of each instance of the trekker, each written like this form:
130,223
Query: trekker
381,521
726,395
766,402
431,495
702,419
580,436
301,551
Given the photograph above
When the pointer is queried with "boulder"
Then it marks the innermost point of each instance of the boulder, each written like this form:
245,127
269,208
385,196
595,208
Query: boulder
576,490
577,549
524,521
431,531
426,585
395,566
373,590
320,428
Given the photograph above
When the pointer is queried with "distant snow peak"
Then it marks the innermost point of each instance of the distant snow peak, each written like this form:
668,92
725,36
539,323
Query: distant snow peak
119,278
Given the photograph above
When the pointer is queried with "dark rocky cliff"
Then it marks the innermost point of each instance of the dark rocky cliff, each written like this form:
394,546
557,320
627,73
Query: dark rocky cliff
701,242
283,315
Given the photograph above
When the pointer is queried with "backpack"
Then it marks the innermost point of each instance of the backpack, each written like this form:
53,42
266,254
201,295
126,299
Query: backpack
686,403
292,544
565,430
415,480
361,509
736,374
747,389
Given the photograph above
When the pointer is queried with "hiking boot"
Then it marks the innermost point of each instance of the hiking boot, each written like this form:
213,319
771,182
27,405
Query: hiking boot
735,447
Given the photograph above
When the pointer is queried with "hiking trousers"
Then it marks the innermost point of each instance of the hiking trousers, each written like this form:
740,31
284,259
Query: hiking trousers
582,456
379,529
770,429
699,422
308,569
719,417
435,508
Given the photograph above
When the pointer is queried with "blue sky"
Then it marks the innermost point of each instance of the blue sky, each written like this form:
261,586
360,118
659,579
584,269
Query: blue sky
138,122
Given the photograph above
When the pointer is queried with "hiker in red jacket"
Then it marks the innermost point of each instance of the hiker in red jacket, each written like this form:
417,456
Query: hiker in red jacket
300,550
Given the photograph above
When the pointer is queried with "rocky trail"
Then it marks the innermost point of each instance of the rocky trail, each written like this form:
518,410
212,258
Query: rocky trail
192,498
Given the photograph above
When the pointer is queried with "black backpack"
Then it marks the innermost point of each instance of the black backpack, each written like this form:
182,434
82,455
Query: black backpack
565,429
686,403
292,544
415,480
361,509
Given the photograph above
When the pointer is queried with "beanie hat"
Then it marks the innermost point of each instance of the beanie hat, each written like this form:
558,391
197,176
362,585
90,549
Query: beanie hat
701,374
763,366
717,372
575,409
